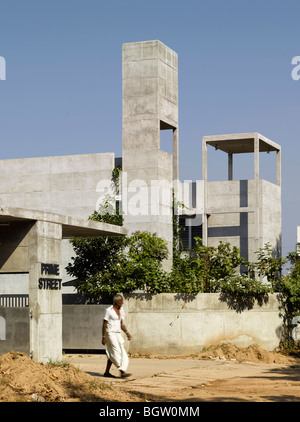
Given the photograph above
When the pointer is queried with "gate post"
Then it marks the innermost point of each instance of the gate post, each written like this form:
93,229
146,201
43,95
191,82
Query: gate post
45,297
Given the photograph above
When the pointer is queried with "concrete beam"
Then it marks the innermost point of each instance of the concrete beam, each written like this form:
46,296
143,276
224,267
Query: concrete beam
240,143
71,226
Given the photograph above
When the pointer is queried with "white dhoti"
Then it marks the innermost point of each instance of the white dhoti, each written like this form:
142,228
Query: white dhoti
115,350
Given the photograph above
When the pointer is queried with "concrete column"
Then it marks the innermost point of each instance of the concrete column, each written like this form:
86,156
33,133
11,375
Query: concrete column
278,156
204,176
45,298
175,154
257,193
256,158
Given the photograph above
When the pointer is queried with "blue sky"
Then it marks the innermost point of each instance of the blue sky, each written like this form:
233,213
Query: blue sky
62,93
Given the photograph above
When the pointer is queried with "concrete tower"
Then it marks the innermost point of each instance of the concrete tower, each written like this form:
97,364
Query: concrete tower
150,105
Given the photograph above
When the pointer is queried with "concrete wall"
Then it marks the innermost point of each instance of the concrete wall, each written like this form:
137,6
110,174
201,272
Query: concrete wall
163,324
166,324
159,324
237,218
231,205
82,326
270,214
14,284
63,184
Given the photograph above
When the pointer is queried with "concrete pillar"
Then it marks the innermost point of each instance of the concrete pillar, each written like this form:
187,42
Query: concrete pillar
45,298
204,176
150,104
257,193
175,154
278,157
256,157
230,167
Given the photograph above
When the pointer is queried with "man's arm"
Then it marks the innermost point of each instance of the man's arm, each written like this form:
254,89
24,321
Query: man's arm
104,326
125,330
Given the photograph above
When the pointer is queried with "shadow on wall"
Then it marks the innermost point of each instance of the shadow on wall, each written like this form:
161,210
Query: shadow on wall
11,236
243,303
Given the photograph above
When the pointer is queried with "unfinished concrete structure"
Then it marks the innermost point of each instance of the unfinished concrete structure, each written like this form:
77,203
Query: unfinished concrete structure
47,200
245,213
31,245
67,185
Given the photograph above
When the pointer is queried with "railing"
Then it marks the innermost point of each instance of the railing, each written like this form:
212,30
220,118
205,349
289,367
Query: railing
14,301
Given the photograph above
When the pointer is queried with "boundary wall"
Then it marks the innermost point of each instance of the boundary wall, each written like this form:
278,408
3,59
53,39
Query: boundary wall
163,324
167,324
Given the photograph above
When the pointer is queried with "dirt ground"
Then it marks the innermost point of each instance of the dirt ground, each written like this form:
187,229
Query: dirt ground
222,373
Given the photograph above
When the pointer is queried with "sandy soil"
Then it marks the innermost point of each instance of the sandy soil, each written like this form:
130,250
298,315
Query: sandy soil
221,373
23,380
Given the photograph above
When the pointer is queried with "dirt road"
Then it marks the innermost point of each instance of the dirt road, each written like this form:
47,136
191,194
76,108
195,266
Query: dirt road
190,379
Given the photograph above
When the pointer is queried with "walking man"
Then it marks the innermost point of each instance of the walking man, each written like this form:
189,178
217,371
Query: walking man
113,323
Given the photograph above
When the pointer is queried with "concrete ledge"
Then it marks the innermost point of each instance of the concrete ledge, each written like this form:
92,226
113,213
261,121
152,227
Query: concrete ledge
71,226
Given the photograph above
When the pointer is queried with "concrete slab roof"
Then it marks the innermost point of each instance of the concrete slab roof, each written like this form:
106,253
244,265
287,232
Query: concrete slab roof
239,143
71,226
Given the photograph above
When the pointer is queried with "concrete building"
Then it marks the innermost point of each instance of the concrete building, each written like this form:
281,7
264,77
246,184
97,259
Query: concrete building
52,197
246,213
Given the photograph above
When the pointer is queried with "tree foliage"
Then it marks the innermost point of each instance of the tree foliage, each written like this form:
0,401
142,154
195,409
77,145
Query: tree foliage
268,265
200,269
109,264
290,285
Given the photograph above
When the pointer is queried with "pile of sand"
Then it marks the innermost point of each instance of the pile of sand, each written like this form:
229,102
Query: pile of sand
227,351
23,380
252,353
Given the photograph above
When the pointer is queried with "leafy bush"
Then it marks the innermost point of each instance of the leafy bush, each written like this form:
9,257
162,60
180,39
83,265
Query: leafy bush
109,264
268,265
201,268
